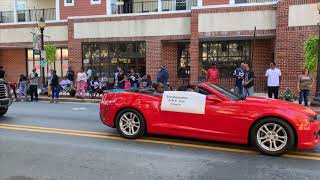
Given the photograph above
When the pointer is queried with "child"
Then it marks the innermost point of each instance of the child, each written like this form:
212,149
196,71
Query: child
127,84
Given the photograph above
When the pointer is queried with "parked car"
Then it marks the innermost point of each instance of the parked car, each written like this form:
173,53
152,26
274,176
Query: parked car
5,97
213,113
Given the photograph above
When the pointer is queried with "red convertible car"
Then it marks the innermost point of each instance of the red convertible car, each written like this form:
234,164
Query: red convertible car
272,126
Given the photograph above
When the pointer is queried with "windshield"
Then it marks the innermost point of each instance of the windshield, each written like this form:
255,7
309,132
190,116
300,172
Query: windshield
233,96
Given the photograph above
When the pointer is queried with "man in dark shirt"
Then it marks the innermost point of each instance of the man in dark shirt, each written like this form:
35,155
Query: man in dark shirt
248,81
70,76
2,72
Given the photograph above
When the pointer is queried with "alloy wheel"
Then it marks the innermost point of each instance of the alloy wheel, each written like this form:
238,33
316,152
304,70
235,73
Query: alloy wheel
272,137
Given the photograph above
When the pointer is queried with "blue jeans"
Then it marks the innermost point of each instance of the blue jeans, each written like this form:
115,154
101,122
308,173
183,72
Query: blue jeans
248,91
55,92
303,95
239,89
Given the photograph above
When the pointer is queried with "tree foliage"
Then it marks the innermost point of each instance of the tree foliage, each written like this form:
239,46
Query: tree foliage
50,53
311,53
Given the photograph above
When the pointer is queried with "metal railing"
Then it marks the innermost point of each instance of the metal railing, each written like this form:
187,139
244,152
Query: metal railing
152,6
252,1
36,14
176,5
6,16
28,15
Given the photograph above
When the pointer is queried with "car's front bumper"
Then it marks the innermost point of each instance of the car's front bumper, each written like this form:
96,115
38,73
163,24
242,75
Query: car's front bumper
6,102
310,136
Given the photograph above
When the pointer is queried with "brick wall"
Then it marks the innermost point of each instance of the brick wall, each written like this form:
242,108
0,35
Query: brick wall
14,63
82,8
214,2
289,44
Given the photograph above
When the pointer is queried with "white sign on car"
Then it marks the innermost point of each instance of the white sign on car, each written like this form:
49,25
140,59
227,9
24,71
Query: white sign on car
183,101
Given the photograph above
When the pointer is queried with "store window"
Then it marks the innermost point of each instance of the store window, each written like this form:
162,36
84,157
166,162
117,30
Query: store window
95,1
68,2
104,58
183,60
60,65
226,54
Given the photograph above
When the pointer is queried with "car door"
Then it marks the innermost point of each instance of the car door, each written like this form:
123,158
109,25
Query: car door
182,123
224,119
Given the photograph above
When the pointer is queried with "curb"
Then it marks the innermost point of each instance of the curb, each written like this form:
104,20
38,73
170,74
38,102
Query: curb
72,100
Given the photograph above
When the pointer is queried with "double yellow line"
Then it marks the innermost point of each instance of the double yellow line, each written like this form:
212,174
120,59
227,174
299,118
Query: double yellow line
113,136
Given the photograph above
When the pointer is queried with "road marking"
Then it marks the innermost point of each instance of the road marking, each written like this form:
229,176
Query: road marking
113,136
79,109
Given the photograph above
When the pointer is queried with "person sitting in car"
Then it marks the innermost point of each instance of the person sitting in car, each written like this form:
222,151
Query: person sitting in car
159,87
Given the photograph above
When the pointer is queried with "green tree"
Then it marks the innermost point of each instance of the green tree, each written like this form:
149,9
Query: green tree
311,53
50,53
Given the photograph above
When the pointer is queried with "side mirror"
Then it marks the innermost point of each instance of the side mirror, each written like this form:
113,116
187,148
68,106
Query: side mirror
213,98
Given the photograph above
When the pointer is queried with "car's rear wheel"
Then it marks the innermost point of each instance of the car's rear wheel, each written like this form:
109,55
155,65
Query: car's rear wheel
130,123
272,136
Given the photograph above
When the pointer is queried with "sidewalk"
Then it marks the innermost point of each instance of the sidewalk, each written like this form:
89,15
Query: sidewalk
88,100
70,99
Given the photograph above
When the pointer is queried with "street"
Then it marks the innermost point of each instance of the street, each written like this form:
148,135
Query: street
67,141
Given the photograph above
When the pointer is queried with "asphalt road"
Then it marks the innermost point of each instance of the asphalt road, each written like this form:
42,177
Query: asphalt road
42,141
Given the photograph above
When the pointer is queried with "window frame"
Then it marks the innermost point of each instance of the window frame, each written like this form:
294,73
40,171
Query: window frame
68,4
93,2
211,51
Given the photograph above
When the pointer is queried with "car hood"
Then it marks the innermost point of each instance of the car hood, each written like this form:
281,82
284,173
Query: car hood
280,104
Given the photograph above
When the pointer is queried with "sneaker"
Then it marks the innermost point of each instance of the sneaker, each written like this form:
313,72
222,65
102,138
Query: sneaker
51,101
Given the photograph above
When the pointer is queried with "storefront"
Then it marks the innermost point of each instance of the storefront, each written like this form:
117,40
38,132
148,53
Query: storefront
60,64
104,58
226,54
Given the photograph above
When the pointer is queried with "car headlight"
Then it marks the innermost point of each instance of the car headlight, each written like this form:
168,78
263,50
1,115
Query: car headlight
314,118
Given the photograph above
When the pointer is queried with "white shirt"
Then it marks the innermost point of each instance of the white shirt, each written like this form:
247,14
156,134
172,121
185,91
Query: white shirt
273,77
82,77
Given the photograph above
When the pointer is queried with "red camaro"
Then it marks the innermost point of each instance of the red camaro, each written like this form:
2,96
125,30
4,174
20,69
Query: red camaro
272,126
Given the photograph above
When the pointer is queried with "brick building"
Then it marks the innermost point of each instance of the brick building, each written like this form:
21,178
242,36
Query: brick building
184,35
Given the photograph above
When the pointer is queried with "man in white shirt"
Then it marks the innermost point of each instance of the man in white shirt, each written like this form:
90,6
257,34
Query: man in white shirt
273,79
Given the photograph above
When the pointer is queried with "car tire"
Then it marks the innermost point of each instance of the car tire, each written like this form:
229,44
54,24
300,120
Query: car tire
3,111
272,136
130,123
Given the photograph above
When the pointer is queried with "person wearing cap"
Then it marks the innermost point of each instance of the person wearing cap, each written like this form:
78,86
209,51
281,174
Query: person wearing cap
163,77
213,74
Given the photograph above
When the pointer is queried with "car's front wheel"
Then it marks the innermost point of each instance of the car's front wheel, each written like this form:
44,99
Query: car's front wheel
130,123
272,136
3,111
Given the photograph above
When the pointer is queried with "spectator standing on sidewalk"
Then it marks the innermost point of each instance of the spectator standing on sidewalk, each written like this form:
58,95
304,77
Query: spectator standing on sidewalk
81,83
305,83
163,77
248,81
121,78
2,72
273,75
34,82
54,83
71,76
23,87
133,77
238,74
213,74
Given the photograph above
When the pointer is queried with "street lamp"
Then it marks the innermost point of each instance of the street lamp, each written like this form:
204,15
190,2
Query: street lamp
41,26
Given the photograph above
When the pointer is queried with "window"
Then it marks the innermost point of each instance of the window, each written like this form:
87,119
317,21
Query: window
68,2
60,65
104,58
95,1
226,54
183,60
